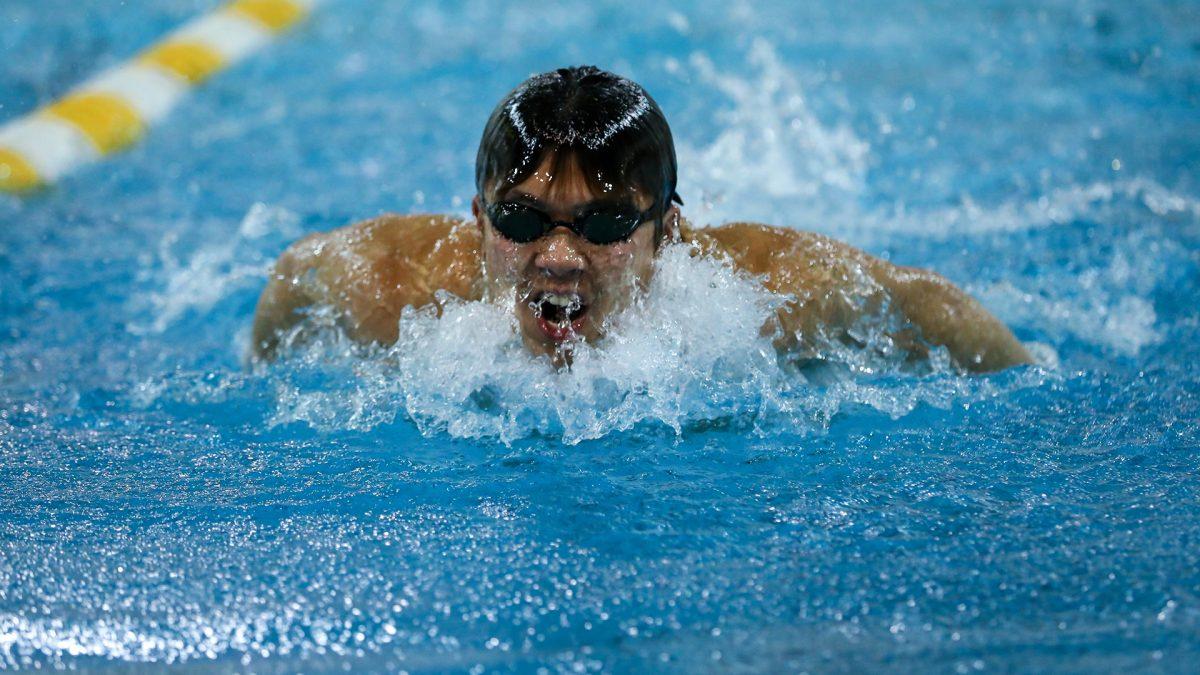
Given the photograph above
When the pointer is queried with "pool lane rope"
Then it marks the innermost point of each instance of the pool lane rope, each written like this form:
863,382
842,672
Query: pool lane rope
113,110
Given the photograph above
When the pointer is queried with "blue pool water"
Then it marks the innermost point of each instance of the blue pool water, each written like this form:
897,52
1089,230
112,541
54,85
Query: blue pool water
451,505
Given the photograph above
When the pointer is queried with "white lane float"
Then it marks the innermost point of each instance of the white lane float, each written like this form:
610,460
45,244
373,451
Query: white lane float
114,109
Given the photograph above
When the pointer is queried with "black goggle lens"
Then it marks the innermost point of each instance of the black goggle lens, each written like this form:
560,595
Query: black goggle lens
609,226
523,224
518,223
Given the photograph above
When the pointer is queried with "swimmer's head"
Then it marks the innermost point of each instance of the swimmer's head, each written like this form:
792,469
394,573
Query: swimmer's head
607,124
580,146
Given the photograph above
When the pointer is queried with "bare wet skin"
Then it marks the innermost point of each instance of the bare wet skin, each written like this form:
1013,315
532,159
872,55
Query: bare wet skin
564,289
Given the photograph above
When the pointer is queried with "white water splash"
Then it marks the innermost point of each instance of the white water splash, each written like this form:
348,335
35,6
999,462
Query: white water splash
772,155
216,269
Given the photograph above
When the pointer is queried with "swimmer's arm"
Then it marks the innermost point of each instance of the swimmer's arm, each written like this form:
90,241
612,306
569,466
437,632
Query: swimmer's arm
945,315
291,288
831,283
278,308
366,274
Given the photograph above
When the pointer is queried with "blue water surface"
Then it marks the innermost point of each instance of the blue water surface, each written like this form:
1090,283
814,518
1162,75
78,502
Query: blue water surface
161,502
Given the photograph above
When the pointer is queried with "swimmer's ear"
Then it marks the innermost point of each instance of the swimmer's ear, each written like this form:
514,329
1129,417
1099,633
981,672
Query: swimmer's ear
477,211
670,225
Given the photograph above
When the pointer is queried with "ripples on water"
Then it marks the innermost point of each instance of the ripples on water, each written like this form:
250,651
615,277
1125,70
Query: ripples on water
679,499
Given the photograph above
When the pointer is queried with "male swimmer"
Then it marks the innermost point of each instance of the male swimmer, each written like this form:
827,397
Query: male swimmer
575,195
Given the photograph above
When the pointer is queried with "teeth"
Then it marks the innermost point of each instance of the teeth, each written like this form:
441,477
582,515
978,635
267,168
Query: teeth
562,300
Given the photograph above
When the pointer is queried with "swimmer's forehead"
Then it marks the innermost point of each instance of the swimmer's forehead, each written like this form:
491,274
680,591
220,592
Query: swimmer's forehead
551,182
519,195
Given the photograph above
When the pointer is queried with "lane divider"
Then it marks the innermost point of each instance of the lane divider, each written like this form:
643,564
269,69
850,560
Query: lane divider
113,110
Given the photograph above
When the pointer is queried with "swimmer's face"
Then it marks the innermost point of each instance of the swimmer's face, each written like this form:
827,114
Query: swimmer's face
565,287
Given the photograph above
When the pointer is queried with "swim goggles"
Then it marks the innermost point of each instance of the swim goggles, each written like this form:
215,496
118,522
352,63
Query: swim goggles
606,224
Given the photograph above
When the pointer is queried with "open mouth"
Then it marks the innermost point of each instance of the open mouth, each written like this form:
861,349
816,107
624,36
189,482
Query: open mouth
559,315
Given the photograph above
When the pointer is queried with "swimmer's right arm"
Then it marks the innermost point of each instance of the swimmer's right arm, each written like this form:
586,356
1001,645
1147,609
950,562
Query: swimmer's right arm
280,306
367,273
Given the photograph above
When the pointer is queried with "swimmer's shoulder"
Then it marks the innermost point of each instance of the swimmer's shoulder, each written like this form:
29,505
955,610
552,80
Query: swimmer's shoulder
368,272
412,256
407,237
783,257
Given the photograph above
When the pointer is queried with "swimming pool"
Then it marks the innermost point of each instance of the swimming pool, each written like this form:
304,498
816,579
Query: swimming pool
447,506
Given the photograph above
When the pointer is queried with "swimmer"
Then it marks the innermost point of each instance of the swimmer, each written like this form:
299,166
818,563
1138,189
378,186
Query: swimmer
575,195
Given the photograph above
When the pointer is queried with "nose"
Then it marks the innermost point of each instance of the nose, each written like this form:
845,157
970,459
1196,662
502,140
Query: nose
560,257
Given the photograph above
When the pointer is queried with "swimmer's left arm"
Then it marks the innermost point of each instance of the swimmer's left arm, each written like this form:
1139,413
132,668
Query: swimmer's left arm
945,315
832,283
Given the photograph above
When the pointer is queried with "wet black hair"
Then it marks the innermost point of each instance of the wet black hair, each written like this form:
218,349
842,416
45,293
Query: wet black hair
605,122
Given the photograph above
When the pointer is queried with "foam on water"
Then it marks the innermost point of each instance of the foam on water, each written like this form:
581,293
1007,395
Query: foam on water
689,349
